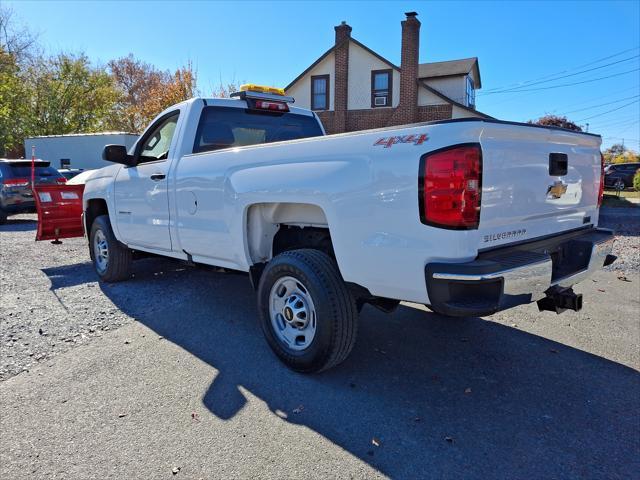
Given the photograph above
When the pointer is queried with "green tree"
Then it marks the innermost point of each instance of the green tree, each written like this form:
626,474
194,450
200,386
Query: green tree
17,48
13,109
556,121
615,153
68,95
628,156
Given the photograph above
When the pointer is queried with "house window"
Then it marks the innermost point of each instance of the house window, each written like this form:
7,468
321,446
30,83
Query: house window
320,92
471,93
381,86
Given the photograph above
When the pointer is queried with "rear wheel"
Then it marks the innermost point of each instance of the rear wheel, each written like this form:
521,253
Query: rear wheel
619,185
111,259
3,217
307,314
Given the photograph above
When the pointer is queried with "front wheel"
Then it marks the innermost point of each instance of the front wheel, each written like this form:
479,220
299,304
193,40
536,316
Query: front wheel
111,259
307,313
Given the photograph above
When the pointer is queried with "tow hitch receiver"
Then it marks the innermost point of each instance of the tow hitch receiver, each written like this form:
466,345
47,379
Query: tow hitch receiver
560,299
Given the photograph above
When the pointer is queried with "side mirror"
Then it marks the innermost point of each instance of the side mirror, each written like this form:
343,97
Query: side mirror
117,154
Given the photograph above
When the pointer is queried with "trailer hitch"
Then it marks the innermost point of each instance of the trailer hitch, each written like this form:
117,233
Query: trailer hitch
560,299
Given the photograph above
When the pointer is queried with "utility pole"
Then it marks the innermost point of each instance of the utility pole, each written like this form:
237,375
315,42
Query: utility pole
587,127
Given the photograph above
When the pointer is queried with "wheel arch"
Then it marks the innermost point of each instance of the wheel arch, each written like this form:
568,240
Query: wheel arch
94,208
270,227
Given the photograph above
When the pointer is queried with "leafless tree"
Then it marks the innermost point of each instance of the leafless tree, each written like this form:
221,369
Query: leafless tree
15,39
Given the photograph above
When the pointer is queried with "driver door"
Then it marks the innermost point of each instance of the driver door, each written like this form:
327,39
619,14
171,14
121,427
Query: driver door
141,192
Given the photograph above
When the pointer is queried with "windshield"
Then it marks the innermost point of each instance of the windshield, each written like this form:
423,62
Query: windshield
224,127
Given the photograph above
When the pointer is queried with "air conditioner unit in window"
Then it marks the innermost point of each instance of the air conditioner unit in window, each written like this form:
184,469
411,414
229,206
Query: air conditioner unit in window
380,101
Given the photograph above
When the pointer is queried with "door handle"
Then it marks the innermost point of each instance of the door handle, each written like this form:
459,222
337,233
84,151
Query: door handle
156,177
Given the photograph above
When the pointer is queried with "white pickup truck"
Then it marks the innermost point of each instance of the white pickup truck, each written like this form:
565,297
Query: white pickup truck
468,217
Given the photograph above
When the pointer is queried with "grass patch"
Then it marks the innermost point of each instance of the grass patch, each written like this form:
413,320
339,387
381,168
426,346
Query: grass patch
623,194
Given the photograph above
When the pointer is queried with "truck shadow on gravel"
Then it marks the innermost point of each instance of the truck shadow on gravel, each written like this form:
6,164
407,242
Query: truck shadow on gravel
464,398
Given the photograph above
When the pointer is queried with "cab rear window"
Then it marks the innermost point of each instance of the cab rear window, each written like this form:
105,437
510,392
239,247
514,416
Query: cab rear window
225,127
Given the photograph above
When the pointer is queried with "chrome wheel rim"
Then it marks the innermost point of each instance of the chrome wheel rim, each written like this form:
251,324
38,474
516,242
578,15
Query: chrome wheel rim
100,251
293,314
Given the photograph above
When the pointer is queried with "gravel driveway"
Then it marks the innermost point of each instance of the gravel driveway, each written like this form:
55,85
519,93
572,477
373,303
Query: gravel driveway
181,382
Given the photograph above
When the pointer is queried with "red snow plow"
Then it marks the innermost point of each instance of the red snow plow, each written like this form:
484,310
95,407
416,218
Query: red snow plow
59,211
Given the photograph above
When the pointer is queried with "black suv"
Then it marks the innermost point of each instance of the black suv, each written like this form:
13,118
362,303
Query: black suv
620,175
15,185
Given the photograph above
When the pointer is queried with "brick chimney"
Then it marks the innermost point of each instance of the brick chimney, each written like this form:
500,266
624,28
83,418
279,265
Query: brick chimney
409,68
343,34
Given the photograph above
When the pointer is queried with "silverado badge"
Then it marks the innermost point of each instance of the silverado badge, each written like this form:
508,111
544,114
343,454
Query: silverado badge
557,189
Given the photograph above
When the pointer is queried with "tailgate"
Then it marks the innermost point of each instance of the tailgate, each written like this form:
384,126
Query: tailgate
536,182
59,211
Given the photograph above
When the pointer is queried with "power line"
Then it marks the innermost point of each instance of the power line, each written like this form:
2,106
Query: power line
608,111
619,128
526,82
614,125
492,100
616,130
601,105
569,84
515,89
600,97
617,118
623,138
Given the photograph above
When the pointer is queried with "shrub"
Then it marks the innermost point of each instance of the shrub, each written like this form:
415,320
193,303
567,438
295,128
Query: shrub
636,181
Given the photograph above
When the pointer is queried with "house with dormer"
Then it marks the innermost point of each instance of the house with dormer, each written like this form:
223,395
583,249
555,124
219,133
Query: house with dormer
351,87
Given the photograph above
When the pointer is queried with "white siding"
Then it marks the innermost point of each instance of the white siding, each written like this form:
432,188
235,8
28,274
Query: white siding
301,90
84,151
458,112
425,97
361,63
452,87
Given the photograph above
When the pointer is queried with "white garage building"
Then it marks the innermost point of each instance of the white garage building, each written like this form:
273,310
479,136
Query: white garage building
79,150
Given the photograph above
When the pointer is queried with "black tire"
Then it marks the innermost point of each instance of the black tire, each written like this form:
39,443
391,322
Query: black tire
3,217
335,308
118,265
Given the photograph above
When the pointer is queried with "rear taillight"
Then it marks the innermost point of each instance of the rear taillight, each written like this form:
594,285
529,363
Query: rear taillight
450,187
61,180
16,182
275,106
601,188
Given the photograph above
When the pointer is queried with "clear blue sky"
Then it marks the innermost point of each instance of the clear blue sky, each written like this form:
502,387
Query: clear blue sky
271,43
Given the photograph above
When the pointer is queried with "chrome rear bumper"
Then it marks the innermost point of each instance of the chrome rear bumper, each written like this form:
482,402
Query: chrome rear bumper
511,276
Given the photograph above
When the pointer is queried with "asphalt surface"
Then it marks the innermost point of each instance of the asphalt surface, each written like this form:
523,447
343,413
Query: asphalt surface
182,385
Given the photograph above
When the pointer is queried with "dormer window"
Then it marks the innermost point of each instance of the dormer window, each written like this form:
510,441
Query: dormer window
381,83
471,93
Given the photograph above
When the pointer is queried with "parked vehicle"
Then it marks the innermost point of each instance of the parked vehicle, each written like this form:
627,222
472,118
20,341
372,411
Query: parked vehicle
16,195
467,216
619,176
69,173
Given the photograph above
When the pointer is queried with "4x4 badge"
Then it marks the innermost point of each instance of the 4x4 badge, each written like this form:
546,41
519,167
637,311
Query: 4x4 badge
416,139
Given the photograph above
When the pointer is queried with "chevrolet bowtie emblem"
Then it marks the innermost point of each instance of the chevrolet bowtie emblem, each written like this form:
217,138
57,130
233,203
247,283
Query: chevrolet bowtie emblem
557,189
